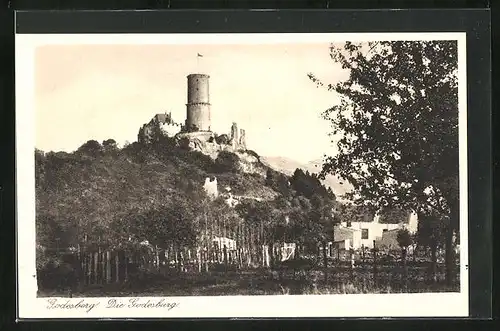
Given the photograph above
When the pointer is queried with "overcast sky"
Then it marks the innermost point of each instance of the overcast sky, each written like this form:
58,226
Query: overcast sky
109,91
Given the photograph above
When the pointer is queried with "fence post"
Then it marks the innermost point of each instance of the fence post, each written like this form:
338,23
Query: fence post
96,261
103,267
351,257
157,258
117,266
225,257
240,257
206,257
374,264
405,273
126,259
325,262
108,266
88,266
83,261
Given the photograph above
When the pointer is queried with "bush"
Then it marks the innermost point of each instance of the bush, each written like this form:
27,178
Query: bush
56,272
227,162
91,148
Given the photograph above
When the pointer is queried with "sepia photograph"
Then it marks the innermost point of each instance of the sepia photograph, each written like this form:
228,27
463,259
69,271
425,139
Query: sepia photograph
242,166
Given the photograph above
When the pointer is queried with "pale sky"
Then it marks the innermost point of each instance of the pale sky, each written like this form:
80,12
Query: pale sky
98,92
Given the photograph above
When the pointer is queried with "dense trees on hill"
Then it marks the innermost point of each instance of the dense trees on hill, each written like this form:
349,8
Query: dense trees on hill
278,182
109,196
227,162
308,185
300,183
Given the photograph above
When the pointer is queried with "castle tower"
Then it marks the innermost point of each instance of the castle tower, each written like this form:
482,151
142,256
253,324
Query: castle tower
198,103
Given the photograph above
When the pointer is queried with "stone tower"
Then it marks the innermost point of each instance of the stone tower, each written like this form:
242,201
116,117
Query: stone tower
198,103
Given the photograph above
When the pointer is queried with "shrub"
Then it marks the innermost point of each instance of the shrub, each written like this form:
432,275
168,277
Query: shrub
227,162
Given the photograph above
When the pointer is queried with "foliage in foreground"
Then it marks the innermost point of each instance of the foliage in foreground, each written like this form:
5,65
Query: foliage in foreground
397,119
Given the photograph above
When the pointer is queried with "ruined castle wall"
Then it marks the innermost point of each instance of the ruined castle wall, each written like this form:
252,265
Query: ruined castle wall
210,187
242,142
170,129
234,132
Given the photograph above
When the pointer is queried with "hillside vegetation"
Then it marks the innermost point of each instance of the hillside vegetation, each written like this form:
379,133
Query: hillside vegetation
98,193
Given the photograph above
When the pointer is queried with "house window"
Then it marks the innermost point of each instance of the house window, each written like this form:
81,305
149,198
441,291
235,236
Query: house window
384,230
364,233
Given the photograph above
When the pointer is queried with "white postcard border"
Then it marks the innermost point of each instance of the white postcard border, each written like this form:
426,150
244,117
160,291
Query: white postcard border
353,305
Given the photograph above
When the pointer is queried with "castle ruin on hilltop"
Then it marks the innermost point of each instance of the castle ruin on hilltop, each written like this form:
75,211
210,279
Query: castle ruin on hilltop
196,131
197,135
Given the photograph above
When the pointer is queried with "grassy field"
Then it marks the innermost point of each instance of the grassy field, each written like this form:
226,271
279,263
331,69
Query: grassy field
265,282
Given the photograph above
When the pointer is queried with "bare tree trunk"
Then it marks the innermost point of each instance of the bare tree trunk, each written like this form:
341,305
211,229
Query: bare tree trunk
238,246
249,246
182,258
272,254
178,257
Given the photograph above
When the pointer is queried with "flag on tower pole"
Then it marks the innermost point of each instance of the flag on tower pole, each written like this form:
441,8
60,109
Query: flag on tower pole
198,61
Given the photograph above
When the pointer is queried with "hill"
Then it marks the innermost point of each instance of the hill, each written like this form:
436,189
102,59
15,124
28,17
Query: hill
85,193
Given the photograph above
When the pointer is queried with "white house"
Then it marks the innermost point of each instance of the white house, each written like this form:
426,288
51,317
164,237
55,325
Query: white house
362,234
223,241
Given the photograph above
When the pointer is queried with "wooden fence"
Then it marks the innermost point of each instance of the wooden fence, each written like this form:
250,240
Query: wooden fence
99,266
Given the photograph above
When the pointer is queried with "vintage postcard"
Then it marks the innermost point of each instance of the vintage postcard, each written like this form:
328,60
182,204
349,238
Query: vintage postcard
241,175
